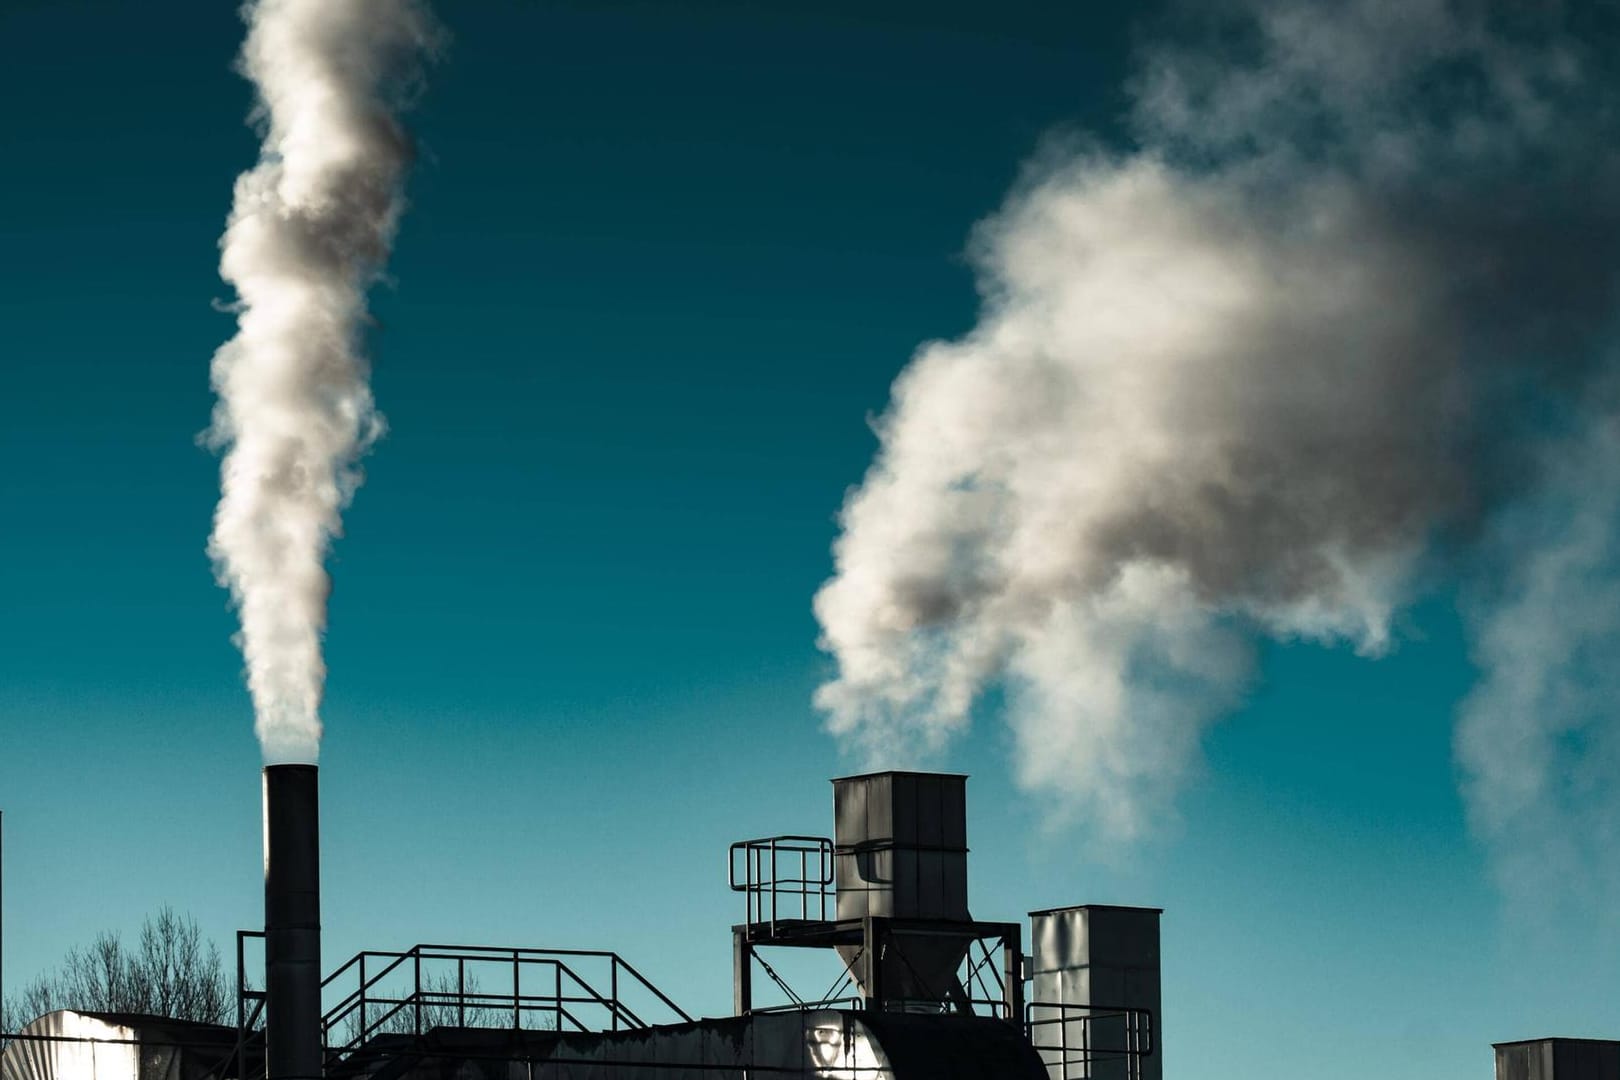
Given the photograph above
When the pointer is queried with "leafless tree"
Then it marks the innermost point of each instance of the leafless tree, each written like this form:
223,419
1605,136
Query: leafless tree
439,1008
176,973
171,971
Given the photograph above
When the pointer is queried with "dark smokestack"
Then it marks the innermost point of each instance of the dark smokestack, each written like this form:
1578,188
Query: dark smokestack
292,922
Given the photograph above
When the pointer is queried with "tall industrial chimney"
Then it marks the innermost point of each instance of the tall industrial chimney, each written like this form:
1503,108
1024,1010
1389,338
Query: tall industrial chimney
292,922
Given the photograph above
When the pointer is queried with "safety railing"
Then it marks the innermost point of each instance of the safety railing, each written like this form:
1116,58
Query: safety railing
783,877
427,986
1078,1042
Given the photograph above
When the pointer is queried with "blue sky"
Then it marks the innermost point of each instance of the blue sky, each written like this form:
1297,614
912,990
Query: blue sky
660,267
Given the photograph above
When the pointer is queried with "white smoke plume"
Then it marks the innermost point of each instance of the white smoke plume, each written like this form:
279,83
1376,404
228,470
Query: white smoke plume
309,232
1272,371
1538,736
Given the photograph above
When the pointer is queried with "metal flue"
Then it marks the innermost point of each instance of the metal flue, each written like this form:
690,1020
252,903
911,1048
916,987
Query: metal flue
292,922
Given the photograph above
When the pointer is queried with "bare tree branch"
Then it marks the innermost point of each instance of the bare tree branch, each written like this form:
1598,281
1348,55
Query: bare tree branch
171,972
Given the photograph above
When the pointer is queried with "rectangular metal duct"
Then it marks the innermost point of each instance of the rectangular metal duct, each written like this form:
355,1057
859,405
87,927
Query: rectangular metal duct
901,845
1092,959
900,852
292,922
1558,1059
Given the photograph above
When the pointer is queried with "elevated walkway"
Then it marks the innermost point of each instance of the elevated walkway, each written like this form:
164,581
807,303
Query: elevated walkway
832,1044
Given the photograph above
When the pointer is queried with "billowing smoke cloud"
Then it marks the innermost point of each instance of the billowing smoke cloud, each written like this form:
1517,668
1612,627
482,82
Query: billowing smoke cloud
309,231
1325,337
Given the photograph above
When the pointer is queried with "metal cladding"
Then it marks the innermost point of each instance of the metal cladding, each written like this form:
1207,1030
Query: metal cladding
1101,958
900,852
292,922
68,1045
1558,1059
901,845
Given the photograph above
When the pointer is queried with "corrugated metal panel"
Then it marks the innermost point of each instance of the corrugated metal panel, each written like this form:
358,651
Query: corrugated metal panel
157,1048
1102,956
954,887
880,807
851,896
1586,1059
849,821
907,897
906,817
953,815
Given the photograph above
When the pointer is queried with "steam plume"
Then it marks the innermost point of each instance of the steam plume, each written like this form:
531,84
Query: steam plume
309,231
1297,356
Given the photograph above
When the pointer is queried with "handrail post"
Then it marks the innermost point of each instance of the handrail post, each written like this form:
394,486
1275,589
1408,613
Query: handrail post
517,979
241,985
826,876
417,954
613,979
1085,1039
461,991
1012,961
362,1038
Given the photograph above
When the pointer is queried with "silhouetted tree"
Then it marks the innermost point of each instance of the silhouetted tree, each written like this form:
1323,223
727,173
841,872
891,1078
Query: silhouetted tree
439,1009
171,971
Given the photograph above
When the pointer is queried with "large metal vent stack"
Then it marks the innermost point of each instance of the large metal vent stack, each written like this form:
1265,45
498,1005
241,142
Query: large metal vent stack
292,922
1095,973
901,855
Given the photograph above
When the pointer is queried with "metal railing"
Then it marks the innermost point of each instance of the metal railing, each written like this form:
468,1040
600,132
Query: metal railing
783,877
1089,1040
249,1002
849,1004
411,992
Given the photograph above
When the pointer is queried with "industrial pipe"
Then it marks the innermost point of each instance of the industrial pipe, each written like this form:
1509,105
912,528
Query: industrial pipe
292,922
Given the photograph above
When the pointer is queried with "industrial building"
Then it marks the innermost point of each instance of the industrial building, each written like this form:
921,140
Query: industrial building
929,992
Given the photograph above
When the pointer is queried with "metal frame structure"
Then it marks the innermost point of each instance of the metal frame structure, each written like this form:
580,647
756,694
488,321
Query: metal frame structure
941,990
969,994
787,876
389,985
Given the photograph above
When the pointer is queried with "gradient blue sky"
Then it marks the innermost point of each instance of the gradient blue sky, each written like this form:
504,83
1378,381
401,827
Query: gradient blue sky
661,264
